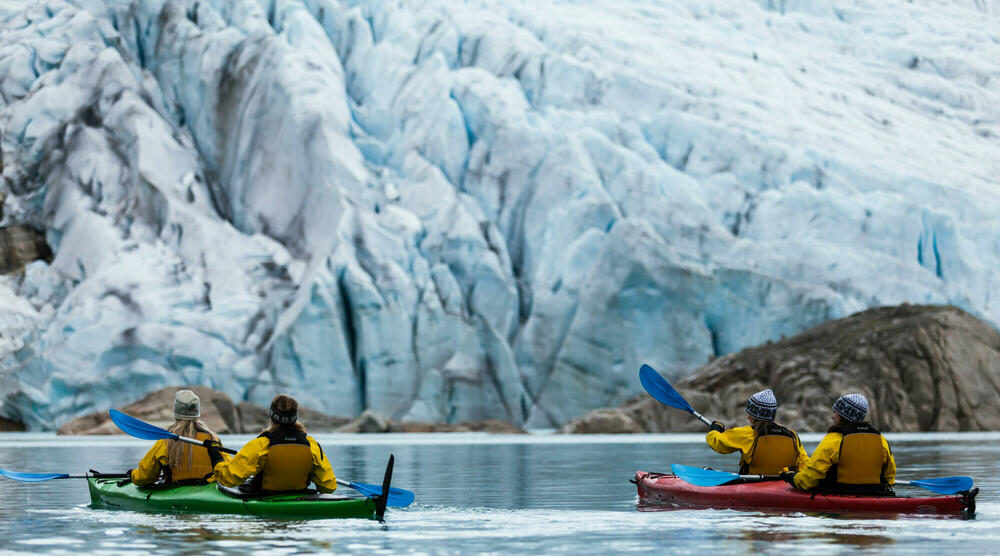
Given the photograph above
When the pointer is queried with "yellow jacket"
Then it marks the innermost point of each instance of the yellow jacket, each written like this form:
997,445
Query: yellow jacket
827,454
251,459
158,458
742,439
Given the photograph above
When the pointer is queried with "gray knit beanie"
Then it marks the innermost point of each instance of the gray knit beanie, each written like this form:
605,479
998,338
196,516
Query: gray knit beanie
187,406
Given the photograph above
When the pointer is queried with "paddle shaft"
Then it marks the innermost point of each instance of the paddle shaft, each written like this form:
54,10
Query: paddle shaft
701,417
200,443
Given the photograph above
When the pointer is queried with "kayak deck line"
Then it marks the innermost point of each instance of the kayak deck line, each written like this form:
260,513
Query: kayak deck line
667,490
212,499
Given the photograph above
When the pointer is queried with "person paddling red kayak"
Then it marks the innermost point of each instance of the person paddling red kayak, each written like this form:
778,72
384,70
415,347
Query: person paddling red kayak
853,457
766,448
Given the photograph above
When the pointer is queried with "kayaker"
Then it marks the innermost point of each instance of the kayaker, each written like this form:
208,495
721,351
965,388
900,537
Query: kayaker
765,447
178,462
282,458
852,458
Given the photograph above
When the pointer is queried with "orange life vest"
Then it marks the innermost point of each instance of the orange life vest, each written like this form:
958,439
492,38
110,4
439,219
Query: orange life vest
771,452
194,462
289,461
862,460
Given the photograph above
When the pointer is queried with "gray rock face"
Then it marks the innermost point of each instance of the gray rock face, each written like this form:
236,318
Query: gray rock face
922,368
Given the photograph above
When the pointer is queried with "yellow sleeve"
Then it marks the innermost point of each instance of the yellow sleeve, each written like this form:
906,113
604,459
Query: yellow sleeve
322,474
890,468
149,467
248,461
802,457
727,442
824,456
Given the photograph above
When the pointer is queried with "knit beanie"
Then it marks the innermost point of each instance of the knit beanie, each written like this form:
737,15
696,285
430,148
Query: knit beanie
762,405
187,406
852,407
284,409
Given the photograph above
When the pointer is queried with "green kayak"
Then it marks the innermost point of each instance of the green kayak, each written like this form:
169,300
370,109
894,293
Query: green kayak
212,499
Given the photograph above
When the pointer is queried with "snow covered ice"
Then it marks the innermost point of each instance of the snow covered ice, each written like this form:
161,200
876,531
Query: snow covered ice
450,211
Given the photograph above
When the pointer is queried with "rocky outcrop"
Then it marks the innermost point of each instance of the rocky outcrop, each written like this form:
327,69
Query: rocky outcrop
371,421
922,368
217,411
20,245
253,418
224,417
6,425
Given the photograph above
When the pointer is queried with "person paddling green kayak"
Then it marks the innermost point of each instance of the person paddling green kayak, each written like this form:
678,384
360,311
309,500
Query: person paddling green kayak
766,448
852,458
172,461
283,458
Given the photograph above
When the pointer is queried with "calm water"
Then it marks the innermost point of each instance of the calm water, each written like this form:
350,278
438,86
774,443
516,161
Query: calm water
489,494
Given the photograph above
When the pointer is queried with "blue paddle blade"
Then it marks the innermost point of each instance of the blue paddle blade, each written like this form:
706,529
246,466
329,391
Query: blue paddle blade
944,485
32,477
398,497
702,477
139,429
659,388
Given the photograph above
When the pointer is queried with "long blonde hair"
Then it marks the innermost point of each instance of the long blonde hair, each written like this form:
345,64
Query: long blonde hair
179,451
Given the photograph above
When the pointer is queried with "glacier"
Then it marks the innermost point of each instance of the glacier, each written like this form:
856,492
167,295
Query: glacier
450,211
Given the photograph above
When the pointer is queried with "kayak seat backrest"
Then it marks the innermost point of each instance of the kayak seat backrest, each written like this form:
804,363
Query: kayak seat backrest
289,461
194,462
771,454
861,459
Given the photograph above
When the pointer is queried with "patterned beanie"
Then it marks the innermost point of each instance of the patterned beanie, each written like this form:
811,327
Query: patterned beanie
852,407
187,406
284,409
762,405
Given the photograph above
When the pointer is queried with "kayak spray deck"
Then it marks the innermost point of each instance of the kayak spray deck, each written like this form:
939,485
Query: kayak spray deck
657,489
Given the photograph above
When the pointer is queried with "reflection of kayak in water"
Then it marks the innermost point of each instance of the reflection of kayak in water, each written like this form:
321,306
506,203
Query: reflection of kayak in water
212,499
657,488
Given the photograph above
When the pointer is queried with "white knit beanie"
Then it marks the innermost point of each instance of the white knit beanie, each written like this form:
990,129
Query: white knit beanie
187,406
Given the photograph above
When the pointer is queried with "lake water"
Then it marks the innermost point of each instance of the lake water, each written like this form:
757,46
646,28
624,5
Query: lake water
477,493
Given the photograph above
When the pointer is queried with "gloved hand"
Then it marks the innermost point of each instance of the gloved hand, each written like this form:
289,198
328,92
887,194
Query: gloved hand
214,448
788,477
718,426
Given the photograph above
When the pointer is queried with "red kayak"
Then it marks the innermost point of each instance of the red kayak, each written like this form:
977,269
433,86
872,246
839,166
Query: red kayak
657,488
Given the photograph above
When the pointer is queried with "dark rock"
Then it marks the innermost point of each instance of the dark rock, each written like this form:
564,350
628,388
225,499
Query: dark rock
368,421
6,425
157,408
603,421
492,426
20,245
922,368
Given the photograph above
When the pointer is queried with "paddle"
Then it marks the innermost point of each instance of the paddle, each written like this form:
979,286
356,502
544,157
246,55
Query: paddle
659,388
39,477
398,497
711,477
381,501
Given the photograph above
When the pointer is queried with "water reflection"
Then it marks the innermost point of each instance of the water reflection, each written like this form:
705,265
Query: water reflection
487,494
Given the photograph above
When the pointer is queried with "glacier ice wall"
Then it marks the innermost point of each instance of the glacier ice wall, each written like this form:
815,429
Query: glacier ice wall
450,211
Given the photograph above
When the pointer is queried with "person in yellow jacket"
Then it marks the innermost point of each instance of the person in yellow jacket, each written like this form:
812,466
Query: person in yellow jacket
175,461
852,458
282,458
765,447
